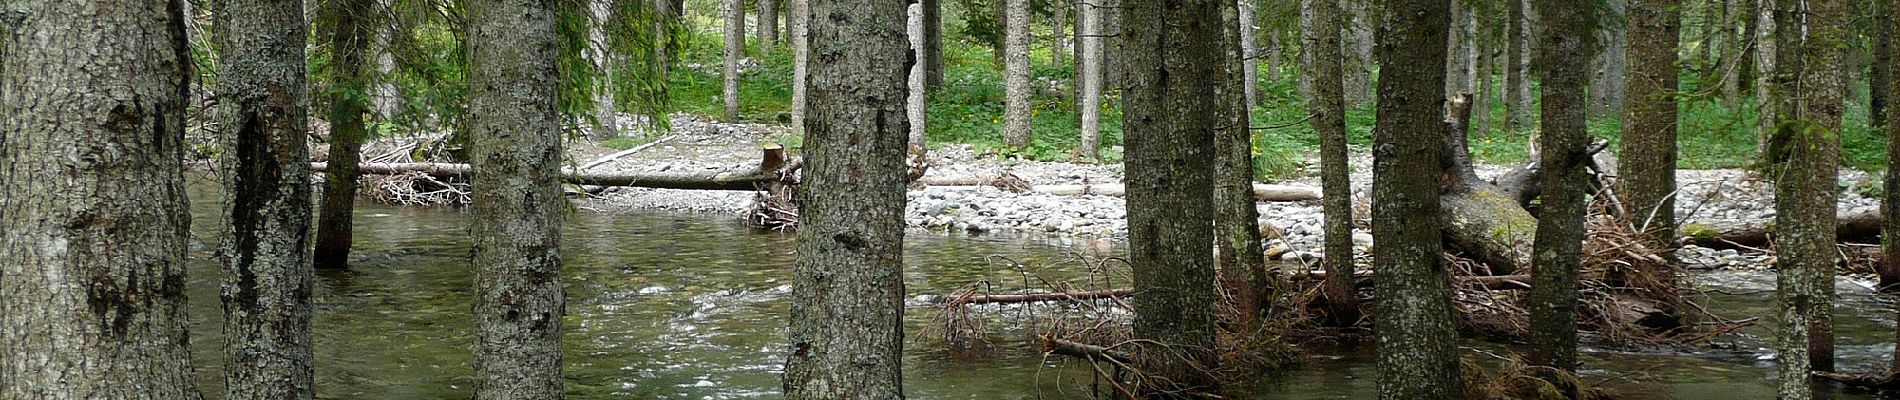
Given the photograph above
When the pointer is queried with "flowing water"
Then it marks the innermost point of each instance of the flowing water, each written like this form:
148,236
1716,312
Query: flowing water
665,306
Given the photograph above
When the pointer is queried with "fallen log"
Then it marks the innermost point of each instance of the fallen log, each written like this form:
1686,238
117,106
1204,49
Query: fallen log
1889,381
1042,297
773,168
1857,226
1363,279
1261,191
1084,351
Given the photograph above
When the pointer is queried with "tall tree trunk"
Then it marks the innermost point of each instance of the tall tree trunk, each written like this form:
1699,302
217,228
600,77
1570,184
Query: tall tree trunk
1486,70
1056,24
1111,43
917,101
265,247
1890,184
1766,53
847,315
1091,81
1459,63
1735,55
516,155
734,11
92,264
933,43
1804,189
1273,60
768,25
1172,68
1240,263
1517,63
1016,75
1359,35
1328,104
347,131
1815,160
1606,81
1558,247
606,117
383,93
1417,342
1309,23
664,19
1880,75
1647,156
799,25
1249,51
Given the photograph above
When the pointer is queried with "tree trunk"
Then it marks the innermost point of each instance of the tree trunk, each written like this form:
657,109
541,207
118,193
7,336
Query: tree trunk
1880,75
517,200
1486,70
1606,81
383,94
1815,162
92,267
848,279
768,25
1091,81
1328,105
1308,23
1558,250
1239,262
265,247
933,42
1735,55
1417,342
1890,184
1459,74
1766,52
664,20
1016,75
1111,43
347,132
1273,59
917,101
1517,63
606,117
1056,24
1173,71
799,24
1249,51
1359,35
734,11
1647,157
1804,243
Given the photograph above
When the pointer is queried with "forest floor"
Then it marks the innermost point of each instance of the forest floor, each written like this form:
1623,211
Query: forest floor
1719,199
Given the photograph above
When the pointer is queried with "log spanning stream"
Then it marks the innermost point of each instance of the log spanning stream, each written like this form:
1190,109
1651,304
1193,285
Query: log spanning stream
664,306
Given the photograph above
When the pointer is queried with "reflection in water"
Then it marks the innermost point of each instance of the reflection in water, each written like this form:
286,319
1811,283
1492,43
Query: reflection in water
694,307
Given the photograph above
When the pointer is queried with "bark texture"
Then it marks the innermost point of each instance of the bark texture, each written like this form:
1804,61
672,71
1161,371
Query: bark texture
1417,342
734,12
606,117
1805,174
799,25
1880,73
266,233
1362,20
1172,73
768,25
1517,64
1606,81
1016,74
847,320
517,201
1249,50
1890,184
1766,94
917,101
93,220
1647,156
933,42
1090,18
1236,221
1814,161
348,44
1557,251
1328,105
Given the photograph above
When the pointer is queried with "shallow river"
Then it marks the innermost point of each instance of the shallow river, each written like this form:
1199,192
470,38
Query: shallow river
664,306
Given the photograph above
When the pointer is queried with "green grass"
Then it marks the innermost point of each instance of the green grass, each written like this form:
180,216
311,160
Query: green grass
968,109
